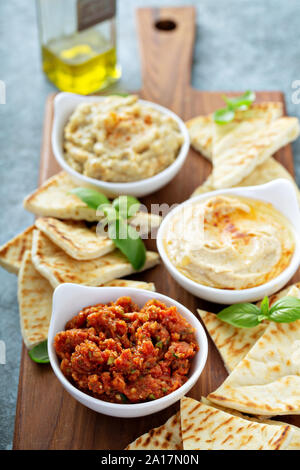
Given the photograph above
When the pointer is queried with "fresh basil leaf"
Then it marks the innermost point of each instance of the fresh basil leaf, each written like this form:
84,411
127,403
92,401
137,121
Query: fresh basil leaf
223,115
127,239
90,197
40,353
241,315
264,307
285,310
240,102
127,206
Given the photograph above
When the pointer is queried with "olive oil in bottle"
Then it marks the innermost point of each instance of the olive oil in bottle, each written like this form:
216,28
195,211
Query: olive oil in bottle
78,43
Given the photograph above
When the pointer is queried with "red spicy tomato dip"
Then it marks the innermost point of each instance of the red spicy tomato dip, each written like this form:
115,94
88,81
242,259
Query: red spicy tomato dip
125,354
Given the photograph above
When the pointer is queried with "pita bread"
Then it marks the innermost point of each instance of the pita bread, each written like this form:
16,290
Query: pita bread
165,437
268,171
80,241
56,266
75,238
204,132
201,131
267,380
295,440
235,160
131,283
53,199
207,428
11,254
232,343
35,303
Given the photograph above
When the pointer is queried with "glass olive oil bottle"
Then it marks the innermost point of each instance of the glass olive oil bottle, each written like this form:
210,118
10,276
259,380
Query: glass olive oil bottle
78,41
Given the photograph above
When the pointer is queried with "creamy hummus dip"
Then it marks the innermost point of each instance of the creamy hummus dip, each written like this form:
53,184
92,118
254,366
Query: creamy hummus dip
119,139
230,242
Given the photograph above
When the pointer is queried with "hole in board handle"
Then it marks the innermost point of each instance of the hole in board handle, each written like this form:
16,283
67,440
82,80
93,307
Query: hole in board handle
165,25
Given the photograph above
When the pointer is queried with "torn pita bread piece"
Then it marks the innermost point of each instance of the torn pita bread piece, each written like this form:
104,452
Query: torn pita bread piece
270,170
53,199
35,303
80,241
201,131
232,343
165,437
12,252
208,428
295,440
235,161
56,266
267,380
130,283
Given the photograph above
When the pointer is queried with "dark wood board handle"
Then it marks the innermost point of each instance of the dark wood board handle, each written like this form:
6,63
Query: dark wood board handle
166,53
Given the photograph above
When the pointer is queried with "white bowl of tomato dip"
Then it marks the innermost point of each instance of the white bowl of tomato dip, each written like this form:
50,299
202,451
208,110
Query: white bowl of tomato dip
124,352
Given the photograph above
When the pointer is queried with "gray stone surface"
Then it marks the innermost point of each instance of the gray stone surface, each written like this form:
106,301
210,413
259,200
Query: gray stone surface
241,44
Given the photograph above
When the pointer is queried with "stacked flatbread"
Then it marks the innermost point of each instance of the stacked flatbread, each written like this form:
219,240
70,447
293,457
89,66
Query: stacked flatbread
264,367
63,246
241,151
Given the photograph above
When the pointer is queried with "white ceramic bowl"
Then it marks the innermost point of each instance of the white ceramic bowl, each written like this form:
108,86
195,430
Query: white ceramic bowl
281,193
69,299
65,104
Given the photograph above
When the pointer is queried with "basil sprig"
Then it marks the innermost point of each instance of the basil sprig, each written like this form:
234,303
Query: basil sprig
248,315
117,213
227,114
39,353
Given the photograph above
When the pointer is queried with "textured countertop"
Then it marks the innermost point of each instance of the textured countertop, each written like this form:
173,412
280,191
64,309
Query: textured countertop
240,44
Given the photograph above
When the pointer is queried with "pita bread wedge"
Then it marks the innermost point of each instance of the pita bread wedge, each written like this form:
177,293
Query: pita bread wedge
236,160
53,199
35,303
131,283
205,134
56,266
12,252
75,238
232,343
80,241
267,380
295,440
165,437
201,131
268,171
207,428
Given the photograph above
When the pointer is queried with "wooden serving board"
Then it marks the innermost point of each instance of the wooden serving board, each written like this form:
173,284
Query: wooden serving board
47,417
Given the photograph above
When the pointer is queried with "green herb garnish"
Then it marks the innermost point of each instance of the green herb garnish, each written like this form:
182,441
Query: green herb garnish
243,102
248,315
125,237
159,344
110,360
151,396
39,353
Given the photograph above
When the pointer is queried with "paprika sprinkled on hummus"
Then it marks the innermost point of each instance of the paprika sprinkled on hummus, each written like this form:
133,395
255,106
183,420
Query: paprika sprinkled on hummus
123,354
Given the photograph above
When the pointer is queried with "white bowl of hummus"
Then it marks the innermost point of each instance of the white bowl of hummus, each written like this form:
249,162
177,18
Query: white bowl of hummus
233,245
117,144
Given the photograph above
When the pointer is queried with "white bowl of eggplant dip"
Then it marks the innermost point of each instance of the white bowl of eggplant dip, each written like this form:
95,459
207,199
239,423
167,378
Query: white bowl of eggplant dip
233,245
118,144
